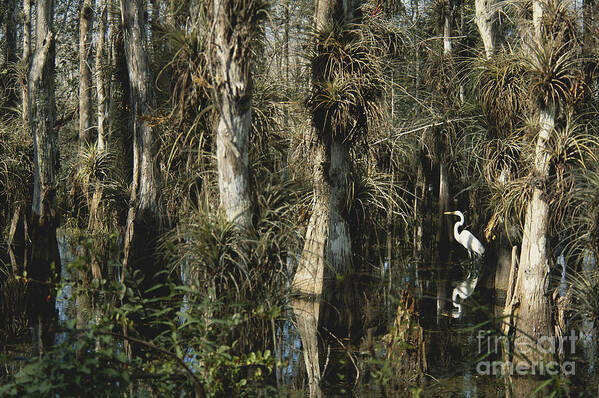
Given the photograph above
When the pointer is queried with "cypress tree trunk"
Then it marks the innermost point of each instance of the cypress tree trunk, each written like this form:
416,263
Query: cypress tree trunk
44,267
26,55
9,31
308,279
85,104
143,219
235,25
102,85
339,238
85,125
486,21
534,313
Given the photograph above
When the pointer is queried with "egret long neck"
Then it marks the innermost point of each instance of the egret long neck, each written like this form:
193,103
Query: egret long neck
457,225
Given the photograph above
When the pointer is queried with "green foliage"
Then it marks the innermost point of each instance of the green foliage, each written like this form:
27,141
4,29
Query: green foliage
16,161
74,368
13,308
347,82
502,92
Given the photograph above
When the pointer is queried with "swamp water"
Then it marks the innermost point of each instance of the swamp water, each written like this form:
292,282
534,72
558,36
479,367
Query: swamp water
460,354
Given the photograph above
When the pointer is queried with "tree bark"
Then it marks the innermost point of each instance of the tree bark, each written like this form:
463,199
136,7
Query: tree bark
534,314
442,239
143,219
85,104
102,86
308,279
9,31
26,56
231,63
44,267
486,21
103,112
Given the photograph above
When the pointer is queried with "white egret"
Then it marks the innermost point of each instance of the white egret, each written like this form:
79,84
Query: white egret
466,238
463,290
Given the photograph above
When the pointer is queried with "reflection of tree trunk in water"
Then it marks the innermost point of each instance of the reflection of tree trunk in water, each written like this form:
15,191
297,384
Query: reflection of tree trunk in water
406,347
308,279
16,242
337,312
501,274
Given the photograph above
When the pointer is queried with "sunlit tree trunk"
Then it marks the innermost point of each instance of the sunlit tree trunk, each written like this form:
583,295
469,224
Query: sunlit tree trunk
143,219
231,62
26,55
308,279
534,312
102,86
486,21
44,267
103,107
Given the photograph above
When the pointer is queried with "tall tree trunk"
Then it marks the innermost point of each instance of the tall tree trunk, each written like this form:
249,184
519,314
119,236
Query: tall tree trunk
143,219
534,313
308,279
442,242
26,55
44,267
85,83
231,63
339,239
486,21
85,125
9,31
102,111
102,86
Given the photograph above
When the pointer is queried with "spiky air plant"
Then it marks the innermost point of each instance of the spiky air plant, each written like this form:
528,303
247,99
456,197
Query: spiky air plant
554,73
16,162
580,221
347,82
584,286
501,90
93,165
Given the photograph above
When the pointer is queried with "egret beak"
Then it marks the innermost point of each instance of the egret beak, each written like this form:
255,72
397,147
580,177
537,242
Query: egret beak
449,212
